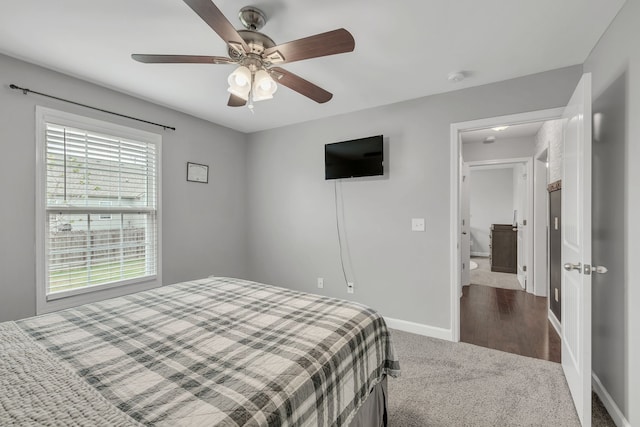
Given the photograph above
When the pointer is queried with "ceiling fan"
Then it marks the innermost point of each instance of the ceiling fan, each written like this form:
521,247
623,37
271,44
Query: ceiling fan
256,54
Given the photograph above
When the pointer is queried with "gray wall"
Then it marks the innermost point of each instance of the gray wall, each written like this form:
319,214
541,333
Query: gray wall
403,274
615,67
491,201
203,225
507,148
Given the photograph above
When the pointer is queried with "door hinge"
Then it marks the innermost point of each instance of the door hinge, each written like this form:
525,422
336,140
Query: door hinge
524,222
524,268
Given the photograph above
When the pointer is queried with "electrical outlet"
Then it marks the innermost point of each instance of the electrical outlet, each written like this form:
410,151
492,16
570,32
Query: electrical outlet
556,293
349,287
320,283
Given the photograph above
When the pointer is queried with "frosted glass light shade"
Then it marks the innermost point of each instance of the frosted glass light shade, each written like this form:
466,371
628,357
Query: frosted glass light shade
263,86
240,82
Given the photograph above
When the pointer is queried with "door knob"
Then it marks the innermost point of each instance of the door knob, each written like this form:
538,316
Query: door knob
464,232
568,266
600,269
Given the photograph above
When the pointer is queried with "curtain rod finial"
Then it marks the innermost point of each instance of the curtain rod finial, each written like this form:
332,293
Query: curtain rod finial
24,90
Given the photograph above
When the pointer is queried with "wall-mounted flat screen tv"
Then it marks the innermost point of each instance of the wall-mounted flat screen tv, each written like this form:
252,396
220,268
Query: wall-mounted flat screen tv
354,158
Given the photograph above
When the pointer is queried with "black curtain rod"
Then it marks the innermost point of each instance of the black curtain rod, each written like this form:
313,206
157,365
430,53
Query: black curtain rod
25,91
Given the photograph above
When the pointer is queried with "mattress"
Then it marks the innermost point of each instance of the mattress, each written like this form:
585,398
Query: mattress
216,351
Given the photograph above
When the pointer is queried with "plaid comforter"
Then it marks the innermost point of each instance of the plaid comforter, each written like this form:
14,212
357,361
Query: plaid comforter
222,351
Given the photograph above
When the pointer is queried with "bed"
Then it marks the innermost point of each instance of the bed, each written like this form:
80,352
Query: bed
216,351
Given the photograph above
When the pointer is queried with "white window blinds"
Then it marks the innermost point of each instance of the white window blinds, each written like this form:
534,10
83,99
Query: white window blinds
101,210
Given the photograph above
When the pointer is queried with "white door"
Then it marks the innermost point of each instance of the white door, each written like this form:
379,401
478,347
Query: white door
576,248
465,229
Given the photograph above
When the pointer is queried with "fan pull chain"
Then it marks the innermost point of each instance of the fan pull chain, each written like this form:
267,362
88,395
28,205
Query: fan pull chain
250,105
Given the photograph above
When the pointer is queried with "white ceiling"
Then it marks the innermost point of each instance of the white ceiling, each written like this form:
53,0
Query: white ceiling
513,131
404,49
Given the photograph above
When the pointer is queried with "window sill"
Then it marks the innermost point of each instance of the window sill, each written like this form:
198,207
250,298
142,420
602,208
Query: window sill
63,300
97,288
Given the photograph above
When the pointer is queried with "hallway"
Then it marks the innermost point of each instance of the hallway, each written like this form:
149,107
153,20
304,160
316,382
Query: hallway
508,320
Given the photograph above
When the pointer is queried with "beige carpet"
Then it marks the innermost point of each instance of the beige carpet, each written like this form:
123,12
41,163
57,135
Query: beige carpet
484,276
458,384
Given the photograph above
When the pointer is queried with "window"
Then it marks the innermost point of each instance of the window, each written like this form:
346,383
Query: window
98,216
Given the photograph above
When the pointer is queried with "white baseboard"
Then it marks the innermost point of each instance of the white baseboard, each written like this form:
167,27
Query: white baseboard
483,254
616,414
419,328
555,322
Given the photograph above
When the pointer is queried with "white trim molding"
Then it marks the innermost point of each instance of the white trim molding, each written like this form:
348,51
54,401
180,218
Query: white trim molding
616,414
419,328
555,322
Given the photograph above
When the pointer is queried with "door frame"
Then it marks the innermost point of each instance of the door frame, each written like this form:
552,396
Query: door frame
541,249
455,215
528,163
465,223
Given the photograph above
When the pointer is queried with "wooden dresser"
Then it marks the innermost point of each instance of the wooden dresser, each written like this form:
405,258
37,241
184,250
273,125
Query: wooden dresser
502,243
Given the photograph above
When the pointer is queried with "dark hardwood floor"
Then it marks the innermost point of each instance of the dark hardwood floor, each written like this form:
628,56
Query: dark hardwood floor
508,320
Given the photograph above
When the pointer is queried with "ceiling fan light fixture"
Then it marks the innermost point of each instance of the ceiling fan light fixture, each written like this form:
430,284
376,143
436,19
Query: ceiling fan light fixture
263,86
255,54
240,82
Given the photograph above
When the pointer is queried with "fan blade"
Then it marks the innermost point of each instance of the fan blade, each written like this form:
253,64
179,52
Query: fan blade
236,101
210,14
181,59
329,43
300,85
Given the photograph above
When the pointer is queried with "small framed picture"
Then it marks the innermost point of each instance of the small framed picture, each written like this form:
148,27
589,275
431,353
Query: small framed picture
197,173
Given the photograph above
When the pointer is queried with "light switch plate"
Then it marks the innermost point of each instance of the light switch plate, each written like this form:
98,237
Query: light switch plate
417,224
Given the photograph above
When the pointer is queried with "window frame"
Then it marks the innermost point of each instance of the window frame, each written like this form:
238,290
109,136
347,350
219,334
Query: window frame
54,302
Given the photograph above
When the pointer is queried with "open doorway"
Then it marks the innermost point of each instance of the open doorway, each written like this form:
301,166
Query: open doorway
499,305
498,194
504,214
